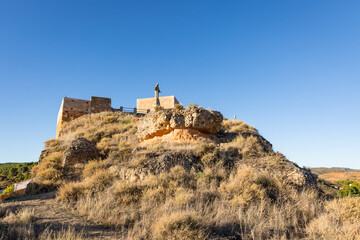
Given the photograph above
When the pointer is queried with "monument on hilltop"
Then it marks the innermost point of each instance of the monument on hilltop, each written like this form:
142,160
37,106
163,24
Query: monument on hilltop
147,104
157,100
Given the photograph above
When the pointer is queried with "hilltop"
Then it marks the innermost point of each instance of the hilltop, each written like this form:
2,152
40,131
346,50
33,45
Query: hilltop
183,174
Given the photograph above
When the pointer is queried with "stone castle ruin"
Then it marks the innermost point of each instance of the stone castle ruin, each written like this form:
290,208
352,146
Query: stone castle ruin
72,108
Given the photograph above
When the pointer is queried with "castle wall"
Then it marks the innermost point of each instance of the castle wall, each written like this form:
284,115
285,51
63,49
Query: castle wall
100,104
72,108
165,102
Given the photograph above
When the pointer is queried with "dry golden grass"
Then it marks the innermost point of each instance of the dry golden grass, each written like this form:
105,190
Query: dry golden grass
238,127
97,127
234,190
249,204
50,167
24,216
20,224
243,188
64,234
114,134
93,167
180,225
90,185
340,220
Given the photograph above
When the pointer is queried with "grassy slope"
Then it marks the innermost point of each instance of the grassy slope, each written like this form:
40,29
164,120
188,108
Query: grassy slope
233,190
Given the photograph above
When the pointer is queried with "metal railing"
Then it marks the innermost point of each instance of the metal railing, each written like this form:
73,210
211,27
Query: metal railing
132,110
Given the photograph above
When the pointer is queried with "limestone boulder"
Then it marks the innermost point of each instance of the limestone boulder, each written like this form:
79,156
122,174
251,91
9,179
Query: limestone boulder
80,150
159,123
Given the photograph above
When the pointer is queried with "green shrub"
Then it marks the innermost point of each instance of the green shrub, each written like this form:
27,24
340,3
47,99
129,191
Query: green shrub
13,172
127,121
349,189
24,169
110,119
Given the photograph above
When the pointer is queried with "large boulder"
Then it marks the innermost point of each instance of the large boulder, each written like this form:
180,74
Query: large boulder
159,123
81,151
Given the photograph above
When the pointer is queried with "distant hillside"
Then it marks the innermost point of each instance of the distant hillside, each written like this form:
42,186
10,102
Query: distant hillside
14,172
323,170
336,174
340,176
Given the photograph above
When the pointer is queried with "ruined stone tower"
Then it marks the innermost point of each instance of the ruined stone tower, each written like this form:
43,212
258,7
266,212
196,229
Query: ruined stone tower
72,108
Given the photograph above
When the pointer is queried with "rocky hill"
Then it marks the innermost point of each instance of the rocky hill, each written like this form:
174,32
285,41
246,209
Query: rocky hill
184,174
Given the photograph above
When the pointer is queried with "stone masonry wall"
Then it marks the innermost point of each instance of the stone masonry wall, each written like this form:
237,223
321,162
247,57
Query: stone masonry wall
72,108
100,104
165,102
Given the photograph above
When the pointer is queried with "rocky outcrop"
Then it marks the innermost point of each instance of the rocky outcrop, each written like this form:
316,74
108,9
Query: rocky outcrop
279,165
162,122
80,150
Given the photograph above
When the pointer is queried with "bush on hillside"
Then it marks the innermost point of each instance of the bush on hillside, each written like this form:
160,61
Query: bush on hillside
50,167
180,225
349,188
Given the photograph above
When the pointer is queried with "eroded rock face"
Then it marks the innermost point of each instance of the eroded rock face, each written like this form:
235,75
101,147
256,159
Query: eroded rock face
80,150
164,121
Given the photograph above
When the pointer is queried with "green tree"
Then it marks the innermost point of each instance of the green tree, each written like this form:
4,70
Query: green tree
13,172
27,176
24,169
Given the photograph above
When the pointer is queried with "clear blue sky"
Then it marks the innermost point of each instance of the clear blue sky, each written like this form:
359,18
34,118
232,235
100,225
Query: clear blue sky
289,68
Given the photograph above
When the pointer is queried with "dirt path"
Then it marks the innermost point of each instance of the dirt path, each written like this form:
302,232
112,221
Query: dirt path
50,214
